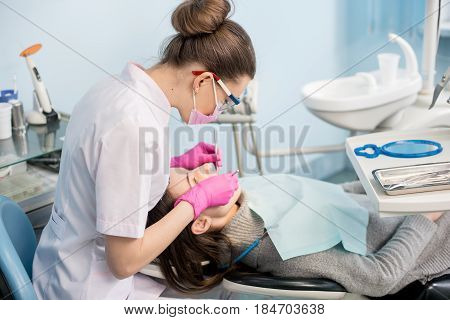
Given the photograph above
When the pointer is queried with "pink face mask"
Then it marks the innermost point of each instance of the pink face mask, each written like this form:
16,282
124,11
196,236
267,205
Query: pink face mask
196,117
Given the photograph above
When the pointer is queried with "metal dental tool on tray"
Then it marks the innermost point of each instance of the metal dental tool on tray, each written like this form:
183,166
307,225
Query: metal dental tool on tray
414,179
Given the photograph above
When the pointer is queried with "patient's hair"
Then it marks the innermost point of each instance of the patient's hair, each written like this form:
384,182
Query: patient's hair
181,261
206,36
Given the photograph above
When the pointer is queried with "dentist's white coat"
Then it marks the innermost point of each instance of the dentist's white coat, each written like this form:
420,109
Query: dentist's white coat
114,169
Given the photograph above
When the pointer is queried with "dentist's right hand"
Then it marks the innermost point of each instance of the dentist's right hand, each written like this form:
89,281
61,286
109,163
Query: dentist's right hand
211,192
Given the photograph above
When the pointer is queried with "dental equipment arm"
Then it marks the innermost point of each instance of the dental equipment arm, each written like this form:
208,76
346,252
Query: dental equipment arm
439,87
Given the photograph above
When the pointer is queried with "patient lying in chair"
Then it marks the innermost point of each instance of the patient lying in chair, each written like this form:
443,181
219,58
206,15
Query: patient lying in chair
400,250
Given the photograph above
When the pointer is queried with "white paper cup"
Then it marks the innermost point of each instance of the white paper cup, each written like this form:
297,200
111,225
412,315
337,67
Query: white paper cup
5,121
388,64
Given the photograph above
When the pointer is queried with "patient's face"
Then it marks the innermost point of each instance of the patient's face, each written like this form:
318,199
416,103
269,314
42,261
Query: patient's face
181,180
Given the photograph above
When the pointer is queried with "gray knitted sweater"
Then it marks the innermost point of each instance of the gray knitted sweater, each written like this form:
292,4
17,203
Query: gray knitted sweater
400,251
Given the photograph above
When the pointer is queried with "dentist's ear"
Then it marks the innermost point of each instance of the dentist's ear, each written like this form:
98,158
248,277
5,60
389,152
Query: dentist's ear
200,79
201,225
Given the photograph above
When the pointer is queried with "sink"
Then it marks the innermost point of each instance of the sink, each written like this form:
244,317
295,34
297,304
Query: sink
361,102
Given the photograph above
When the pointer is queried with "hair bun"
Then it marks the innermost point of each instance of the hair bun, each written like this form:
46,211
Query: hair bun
195,17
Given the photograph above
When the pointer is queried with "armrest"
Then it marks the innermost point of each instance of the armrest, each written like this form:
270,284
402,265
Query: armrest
437,289
286,287
265,280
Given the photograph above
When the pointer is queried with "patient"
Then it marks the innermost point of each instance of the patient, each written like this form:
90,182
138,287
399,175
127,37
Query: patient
400,249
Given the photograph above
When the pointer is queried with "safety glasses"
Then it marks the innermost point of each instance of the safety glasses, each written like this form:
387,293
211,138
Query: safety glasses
230,100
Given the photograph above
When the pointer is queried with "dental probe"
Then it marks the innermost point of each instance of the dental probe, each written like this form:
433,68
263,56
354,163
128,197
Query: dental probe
216,147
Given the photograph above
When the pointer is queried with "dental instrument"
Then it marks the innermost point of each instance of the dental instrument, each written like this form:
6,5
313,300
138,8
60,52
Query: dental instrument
235,172
401,149
216,146
414,179
43,111
439,87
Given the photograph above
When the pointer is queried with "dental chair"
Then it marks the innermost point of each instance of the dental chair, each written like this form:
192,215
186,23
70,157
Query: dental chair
17,247
246,283
249,283
258,284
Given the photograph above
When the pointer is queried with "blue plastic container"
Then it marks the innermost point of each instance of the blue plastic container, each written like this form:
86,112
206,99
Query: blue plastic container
8,94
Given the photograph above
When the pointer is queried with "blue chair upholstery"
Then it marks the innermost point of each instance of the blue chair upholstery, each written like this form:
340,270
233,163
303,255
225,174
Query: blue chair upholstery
17,247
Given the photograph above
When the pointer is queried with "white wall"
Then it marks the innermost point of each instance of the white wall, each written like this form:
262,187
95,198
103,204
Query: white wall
82,42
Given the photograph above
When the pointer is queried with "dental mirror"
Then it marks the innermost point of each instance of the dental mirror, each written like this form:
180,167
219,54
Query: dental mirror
401,149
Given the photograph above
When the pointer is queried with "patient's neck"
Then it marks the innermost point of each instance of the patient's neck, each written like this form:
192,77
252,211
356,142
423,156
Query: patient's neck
230,215
234,209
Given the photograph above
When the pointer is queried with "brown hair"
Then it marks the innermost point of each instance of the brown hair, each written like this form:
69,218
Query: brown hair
206,36
181,261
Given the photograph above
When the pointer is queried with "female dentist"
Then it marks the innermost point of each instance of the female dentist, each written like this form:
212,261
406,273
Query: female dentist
114,165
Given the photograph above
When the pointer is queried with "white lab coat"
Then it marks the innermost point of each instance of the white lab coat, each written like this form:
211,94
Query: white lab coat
114,168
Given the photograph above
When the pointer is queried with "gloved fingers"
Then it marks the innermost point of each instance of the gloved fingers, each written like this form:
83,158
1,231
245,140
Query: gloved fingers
215,158
217,190
218,158
208,153
233,179
224,179
174,162
208,158
207,147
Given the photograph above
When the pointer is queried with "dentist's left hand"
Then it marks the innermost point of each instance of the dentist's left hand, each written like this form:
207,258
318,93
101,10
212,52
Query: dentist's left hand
214,191
200,154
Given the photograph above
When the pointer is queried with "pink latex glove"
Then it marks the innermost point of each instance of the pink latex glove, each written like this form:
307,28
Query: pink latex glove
200,154
211,192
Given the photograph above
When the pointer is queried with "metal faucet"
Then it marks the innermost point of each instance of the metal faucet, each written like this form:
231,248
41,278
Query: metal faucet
439,87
